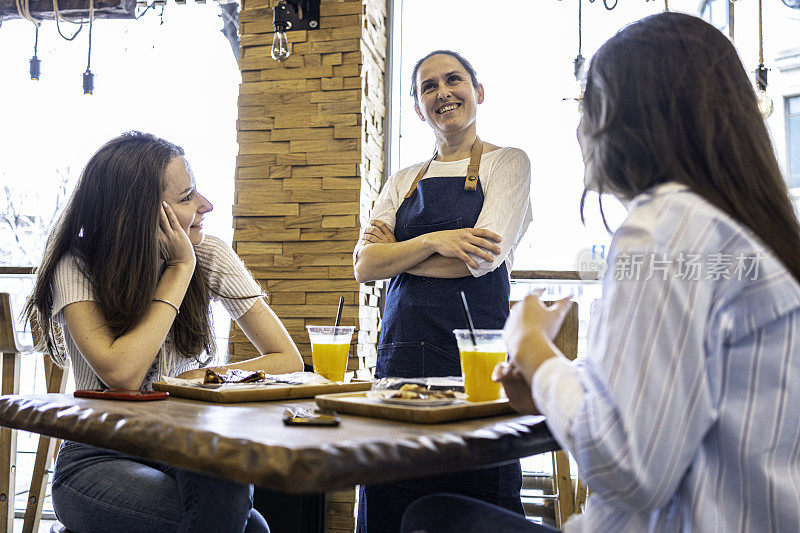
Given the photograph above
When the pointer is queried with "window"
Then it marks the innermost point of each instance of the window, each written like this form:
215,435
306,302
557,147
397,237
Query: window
147,77
793,139
527,71
715,12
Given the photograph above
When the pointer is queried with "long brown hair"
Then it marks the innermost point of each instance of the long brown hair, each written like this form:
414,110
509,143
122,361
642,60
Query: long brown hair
667,99
110,225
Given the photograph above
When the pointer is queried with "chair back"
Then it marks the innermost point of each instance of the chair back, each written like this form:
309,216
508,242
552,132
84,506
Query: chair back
8,328
567,338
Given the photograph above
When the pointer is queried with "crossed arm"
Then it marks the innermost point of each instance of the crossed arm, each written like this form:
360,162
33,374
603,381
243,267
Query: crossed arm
439,254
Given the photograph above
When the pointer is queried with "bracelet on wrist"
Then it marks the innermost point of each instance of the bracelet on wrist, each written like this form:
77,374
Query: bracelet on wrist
162,300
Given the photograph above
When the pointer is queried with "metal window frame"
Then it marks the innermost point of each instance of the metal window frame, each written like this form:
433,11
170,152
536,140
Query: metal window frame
787,117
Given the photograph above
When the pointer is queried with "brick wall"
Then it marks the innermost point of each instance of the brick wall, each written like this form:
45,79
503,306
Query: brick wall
309,168
310,165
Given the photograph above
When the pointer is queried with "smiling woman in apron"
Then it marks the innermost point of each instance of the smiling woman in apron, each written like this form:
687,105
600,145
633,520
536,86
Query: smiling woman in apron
443,226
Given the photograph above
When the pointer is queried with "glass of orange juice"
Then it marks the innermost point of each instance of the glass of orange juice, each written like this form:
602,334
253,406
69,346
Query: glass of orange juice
478,360
330,346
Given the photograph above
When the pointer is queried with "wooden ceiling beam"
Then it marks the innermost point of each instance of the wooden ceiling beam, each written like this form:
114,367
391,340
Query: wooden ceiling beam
71,9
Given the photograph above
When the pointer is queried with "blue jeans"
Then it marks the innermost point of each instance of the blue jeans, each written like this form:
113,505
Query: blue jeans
450,513
102,490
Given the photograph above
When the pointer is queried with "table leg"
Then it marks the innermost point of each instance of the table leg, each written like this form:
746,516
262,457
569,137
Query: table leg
8,445
291,513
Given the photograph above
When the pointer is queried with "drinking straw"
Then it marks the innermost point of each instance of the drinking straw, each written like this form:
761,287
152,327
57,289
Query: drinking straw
465,308
339,312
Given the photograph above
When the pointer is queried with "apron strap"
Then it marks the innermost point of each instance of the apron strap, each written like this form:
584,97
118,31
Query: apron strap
471,181
421,173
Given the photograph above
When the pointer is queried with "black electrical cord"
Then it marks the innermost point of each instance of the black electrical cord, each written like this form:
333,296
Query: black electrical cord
89,58
57,16
605,4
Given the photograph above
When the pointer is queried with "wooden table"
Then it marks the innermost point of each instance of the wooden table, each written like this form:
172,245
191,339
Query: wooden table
249,443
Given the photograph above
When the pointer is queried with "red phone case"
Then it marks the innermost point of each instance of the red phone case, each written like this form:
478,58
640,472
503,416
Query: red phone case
121,394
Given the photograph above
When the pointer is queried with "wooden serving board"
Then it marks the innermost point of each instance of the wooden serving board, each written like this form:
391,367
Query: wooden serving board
356,403
274,392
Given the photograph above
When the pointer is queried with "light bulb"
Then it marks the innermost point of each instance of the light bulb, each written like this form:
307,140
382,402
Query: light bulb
280,47
765,105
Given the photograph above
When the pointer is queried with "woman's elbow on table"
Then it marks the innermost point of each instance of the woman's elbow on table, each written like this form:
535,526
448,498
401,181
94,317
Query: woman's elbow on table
120,378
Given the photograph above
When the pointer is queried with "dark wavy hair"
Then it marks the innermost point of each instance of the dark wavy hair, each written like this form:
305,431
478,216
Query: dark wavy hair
667,99
473,76
110,224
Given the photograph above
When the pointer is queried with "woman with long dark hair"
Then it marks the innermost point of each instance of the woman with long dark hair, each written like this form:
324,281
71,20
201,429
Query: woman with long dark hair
123,293
439,227
683,414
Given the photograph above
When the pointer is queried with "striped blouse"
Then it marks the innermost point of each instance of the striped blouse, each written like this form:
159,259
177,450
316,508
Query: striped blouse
685,413
227,276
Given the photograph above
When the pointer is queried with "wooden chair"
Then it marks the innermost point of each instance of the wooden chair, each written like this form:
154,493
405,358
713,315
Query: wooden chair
12,351
559,496
45,453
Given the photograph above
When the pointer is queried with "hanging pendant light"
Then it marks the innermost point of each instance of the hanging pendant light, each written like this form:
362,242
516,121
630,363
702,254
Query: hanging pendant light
88,77
280,44
765,105
36,65
579,61
24,11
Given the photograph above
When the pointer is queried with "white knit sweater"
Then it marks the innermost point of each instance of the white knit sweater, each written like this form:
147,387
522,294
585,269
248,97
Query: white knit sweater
227,276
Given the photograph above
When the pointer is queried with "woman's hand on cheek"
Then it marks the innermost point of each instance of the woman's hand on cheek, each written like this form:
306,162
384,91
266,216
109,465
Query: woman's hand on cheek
174,240
517,389
529,330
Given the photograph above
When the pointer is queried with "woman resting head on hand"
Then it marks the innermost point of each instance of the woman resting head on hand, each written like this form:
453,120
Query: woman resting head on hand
123,294
117,223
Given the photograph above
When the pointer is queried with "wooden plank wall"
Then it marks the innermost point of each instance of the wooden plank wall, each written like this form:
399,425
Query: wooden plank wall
310,164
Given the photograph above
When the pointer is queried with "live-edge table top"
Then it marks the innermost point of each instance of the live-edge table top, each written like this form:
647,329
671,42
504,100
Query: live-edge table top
249,443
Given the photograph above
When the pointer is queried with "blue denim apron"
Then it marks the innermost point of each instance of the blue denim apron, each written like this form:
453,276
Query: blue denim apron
417,341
